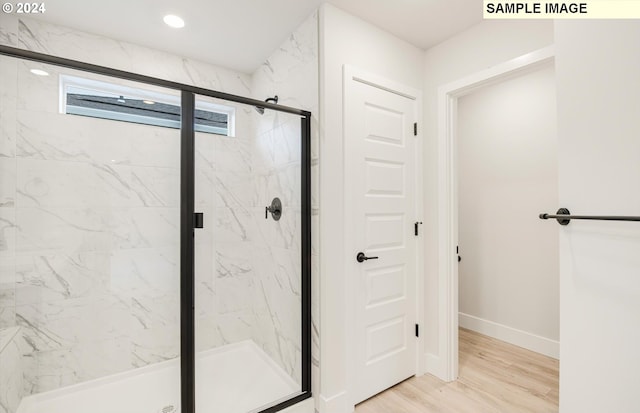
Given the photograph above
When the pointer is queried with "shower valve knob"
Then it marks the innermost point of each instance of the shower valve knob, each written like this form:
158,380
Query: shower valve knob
275,209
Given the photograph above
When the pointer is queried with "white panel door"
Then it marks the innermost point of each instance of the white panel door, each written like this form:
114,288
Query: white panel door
380,179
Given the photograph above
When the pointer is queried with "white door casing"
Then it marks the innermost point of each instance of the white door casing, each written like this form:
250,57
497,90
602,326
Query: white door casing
445,364
380,209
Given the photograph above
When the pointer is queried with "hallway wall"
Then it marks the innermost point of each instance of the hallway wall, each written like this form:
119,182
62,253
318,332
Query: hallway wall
484,45
507,175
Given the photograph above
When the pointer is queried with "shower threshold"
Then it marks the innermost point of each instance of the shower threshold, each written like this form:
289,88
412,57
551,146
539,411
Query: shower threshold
234,378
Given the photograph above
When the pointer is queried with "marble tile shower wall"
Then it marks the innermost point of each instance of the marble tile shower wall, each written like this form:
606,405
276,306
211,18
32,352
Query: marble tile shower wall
291,72
89,218
88,246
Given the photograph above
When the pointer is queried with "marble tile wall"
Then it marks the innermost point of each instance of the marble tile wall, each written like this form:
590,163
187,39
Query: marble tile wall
89,217
291,72
11,373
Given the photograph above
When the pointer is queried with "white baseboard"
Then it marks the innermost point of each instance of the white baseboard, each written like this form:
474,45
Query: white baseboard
511,335
434,365
334,404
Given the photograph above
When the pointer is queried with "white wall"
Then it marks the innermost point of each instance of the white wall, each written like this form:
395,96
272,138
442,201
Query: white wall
597,68
484,45
507,175
345,39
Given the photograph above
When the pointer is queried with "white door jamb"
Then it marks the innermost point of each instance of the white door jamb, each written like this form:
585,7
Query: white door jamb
445,364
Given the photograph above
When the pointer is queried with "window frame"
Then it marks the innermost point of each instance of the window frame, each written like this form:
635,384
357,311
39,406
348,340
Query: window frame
75,84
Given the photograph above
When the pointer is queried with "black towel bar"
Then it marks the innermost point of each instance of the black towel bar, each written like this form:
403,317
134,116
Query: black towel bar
563,216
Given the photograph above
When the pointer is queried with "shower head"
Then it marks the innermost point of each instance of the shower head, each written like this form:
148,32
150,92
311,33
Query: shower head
260,109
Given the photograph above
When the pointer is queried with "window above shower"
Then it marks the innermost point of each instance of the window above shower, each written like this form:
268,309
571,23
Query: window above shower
93,98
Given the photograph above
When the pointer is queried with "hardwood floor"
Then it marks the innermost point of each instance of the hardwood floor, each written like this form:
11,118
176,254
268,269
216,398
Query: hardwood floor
495,377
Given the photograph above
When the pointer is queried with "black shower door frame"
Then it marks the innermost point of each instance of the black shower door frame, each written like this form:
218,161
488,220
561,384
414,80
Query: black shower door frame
187,216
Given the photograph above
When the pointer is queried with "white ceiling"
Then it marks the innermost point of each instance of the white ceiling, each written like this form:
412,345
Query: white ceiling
241,34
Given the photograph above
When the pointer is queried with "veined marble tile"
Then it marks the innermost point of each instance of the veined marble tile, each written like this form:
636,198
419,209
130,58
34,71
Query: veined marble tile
145,227
233,154
237,191
205,297
154,271
53,277
7,272
235,224
8,102
285,233
8,29
8,227
57,325
284,182
155,312
233,295
155,345
205,150
38,94
207,333
65,367
7,306
74,184
205,182
66,229
315,137
101,358
7,182
233,259
11,373
205,269
292,70
72,138
287,143
56,368
233,328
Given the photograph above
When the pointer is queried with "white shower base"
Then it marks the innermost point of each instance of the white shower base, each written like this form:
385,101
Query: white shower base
235,378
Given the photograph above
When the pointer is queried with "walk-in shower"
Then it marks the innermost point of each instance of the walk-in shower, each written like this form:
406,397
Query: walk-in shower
142,266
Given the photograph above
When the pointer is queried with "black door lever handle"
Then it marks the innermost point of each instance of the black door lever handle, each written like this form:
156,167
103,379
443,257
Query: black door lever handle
362,258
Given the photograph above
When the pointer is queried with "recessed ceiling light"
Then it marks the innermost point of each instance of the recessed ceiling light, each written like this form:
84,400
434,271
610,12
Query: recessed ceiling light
39,72
149,102
174,21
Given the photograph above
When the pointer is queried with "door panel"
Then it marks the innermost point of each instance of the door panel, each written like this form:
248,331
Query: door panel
380,165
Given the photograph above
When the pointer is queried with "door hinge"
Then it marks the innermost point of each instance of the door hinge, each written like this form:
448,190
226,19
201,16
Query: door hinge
415,227
415,129
417,330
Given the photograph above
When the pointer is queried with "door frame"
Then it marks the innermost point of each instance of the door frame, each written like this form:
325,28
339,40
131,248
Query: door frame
448,95
187,219
353,74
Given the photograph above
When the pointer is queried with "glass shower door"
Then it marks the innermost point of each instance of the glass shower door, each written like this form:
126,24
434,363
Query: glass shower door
89,243
248,258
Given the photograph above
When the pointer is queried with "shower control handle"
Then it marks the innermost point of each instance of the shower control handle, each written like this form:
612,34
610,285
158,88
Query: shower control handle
362,258
275,208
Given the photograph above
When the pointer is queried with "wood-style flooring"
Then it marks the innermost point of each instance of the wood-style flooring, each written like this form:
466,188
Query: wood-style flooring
494,377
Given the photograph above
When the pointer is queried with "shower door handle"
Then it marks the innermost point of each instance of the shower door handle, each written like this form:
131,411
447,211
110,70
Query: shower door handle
198,220
362,258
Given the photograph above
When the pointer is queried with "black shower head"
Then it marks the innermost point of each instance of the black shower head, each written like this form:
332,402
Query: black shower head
260,109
